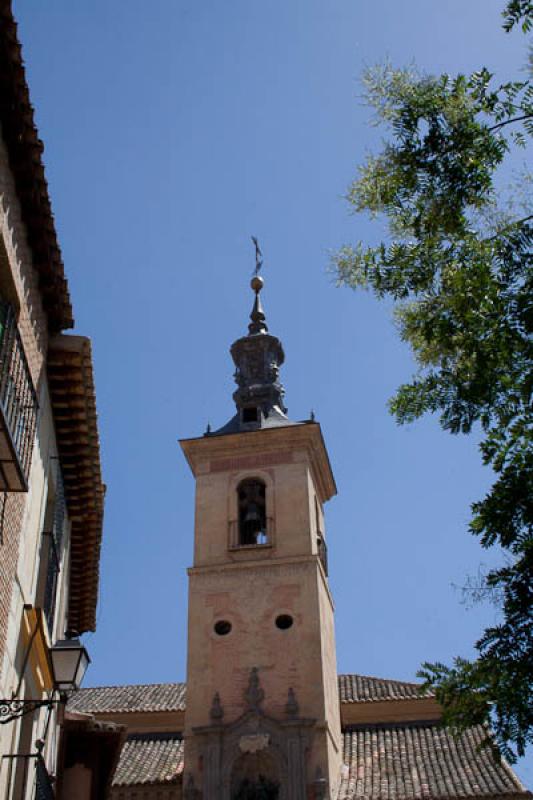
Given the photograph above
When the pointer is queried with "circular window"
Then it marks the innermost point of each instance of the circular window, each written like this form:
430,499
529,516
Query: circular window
222,627
284,621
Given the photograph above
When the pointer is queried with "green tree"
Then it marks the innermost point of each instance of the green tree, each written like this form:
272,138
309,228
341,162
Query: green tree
458,264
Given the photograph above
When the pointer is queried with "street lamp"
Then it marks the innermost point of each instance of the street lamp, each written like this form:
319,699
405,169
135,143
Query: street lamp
69,660
69,663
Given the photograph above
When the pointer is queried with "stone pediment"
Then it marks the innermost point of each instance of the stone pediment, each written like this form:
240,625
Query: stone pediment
254,747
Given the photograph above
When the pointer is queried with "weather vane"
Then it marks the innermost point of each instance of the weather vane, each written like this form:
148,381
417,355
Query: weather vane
258,256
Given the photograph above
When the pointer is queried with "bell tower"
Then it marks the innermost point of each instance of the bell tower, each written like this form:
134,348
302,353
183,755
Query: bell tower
262,697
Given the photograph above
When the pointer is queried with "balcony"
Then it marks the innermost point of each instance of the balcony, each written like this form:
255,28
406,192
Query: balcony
264,538
18,406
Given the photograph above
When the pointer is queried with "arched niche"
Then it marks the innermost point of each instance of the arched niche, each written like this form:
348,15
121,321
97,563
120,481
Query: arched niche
251,512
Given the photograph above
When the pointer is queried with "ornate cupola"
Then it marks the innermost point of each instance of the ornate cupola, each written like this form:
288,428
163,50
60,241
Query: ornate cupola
258,358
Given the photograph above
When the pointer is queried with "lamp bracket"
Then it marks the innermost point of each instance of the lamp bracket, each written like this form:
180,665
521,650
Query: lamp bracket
15,708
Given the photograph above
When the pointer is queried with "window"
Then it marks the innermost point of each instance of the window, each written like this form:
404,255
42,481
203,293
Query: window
284,622
250,415
320,541
51,549
222,627
18,404
3,504
251,497
8,289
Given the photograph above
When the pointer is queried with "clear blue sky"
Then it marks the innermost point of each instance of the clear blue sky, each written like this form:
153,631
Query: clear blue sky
173,131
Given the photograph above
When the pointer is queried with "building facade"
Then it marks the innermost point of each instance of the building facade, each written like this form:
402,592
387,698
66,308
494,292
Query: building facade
263,713
51,490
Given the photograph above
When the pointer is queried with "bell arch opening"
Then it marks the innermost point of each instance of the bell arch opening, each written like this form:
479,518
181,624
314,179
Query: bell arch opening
251,497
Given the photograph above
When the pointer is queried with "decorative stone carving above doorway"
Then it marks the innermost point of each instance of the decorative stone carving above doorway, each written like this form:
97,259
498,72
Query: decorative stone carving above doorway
256,757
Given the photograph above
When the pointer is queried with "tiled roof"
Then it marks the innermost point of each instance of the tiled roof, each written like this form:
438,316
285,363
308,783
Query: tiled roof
150,759
420,761
71,383
123,699
171,696
366,689
381,763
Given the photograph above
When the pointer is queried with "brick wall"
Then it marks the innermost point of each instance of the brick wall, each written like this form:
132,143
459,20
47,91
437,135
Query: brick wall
33,331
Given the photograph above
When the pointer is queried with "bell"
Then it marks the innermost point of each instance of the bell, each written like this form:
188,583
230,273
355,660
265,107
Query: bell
252,514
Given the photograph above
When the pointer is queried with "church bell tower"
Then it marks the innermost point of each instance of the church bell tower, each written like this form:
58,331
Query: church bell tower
262,716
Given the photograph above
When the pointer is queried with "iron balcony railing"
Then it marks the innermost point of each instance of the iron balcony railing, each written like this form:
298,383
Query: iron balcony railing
18,406
264,538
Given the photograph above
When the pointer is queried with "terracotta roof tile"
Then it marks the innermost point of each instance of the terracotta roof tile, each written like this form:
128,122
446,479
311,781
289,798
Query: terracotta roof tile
366,689
150,759
420,761
71,383
382,763
171,696
123,699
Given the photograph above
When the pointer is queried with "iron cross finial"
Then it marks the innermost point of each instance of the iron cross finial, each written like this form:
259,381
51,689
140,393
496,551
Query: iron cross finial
258,255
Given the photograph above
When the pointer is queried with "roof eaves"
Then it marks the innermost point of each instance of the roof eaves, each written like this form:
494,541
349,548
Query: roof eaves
71,382
112,700
25,158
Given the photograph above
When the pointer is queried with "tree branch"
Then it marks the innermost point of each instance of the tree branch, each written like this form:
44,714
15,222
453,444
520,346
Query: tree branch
508,227
510,121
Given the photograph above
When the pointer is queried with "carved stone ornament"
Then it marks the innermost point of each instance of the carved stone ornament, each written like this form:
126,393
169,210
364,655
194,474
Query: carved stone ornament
216,712
257,747
291,707
254,694
253,742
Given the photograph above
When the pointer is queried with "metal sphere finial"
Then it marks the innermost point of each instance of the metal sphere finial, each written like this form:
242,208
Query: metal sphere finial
257,283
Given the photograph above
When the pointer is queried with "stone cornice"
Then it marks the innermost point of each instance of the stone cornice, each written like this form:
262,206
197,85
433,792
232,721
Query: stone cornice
419,709
263,565
207,453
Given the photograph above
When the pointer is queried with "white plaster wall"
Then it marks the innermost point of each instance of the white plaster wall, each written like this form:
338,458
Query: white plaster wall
24,593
